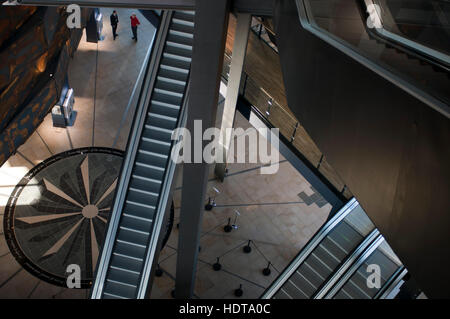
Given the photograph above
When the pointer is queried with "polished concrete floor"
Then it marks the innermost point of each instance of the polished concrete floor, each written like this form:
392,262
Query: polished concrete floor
273,212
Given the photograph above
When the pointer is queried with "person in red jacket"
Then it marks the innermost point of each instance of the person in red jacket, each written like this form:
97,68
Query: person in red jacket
134,24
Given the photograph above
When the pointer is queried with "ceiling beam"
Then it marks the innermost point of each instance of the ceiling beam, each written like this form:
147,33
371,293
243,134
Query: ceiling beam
135,4
253,7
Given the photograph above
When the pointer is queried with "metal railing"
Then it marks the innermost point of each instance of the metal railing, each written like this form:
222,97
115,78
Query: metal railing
432,55
345,277
344,268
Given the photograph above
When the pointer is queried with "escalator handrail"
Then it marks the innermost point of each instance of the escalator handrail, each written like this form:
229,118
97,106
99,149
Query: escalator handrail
307,23
345,266
355,266
127,165
432,56
309,248
391,283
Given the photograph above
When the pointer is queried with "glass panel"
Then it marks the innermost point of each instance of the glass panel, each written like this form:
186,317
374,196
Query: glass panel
425,22
420,27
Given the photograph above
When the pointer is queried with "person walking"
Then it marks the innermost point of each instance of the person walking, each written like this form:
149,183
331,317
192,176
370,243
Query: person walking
134,24
114,22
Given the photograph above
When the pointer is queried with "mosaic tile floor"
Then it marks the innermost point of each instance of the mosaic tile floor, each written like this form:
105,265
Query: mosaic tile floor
57,214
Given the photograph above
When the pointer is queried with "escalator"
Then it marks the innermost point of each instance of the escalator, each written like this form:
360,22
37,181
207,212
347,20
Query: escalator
354,285
334,263
133,236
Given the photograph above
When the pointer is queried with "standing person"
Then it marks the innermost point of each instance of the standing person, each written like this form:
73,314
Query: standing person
114,22
134,24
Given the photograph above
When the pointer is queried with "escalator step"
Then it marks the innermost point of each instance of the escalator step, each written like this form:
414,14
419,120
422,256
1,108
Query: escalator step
119,289
125,262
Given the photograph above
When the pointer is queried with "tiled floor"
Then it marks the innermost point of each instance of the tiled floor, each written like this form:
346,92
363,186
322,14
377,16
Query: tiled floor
272,215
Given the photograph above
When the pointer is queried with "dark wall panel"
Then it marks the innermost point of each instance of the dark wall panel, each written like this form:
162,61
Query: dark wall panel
40,46
24,58
27,121
12,18
390,149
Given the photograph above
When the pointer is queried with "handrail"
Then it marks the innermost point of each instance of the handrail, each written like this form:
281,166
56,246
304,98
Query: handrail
127,165
307,22
266,93
347,264
391,283
348,274
432,56
309,248
163,200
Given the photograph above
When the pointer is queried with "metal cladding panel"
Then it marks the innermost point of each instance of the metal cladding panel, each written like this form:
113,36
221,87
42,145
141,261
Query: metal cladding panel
15,58
74,41
60,37
391,149
26,121
51,22
11,19
12,97
60,72
27,58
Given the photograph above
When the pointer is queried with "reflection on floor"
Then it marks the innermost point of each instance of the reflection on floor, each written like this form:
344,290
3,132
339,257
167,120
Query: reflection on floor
279,213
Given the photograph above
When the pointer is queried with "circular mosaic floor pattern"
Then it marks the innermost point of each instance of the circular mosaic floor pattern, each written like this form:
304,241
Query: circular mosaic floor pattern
57,214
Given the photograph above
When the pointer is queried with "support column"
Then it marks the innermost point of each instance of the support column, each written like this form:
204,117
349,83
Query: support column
211,22
234,81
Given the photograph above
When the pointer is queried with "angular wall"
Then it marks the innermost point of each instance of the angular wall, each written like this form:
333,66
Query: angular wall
391,149
35,46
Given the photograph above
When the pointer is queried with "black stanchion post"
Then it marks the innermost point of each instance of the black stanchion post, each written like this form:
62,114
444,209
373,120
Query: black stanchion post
266,271
239,292
228,227
158,271
247,249
217,266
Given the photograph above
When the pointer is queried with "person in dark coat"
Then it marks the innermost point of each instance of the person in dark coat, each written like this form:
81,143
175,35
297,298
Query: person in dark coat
134,24
114,22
